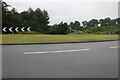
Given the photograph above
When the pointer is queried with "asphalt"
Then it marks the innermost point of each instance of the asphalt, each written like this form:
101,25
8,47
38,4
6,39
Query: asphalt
73,60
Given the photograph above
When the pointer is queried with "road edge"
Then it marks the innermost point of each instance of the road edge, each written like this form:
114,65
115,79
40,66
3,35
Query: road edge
59,42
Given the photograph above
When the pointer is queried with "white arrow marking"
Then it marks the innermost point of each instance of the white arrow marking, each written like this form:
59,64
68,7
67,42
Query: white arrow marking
10,29
16,29
29,29
23,29
4,29
63,51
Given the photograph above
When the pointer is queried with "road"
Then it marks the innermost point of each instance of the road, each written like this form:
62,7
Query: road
73,60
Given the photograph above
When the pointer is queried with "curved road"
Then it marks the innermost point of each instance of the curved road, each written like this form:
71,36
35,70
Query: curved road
73,60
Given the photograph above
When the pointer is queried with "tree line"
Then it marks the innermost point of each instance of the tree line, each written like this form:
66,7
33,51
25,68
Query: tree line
38,20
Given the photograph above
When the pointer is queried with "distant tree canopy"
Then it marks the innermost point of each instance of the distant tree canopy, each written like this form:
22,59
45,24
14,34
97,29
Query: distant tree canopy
102,26
62,28
75,25
38,20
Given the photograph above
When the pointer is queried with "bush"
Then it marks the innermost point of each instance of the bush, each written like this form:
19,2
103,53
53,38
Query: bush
116,31
62,28
32,32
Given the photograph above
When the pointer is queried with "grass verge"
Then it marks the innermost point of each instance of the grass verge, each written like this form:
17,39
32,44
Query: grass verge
28,38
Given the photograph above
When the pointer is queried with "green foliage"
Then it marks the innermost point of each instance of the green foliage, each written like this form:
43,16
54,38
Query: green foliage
116,31
76,25
38,20
102,30
61,28
32,32
84,23
6,14
44,38
92,23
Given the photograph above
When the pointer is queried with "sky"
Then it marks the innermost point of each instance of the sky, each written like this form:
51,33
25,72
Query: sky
70,10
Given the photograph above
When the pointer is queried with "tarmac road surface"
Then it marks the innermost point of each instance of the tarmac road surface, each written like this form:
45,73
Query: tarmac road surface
73,60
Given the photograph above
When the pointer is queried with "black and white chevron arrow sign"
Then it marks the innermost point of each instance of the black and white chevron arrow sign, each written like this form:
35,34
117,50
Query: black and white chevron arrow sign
29,29
10,29
4,29
17,29
22,29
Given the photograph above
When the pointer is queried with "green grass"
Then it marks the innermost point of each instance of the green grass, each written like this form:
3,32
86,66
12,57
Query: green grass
40,38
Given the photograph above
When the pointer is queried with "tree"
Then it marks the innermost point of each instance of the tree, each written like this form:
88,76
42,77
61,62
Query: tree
38,20
105,22
10,18
102,22
118,21
16,20
42,19
61,28
6,15
75,25
92,23
30,14
84,23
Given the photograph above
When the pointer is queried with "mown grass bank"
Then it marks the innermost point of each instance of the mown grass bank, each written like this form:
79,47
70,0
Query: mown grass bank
41,38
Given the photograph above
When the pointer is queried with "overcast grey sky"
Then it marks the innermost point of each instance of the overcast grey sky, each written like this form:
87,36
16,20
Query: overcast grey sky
70,10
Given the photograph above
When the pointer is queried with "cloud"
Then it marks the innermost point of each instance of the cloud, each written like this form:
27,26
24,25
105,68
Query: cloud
70,10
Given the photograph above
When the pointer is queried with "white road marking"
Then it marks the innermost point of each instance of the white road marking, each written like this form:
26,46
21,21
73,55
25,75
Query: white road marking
56,51
115,47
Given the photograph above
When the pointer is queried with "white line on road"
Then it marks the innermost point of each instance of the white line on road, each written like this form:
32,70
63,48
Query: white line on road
115,47
56,51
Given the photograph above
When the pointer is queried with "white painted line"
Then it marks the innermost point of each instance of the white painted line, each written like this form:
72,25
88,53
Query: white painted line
115,47
56,51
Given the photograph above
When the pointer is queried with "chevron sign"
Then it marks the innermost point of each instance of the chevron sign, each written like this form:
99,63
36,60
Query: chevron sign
16,29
